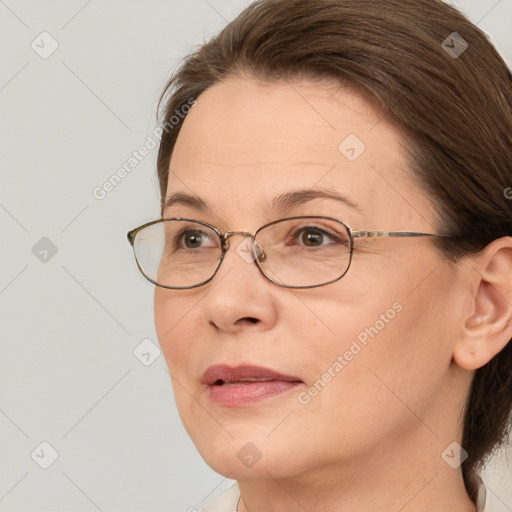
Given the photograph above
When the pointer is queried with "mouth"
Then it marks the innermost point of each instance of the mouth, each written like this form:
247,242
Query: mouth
246,385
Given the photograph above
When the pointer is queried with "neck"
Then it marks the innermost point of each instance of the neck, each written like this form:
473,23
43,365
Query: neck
407,475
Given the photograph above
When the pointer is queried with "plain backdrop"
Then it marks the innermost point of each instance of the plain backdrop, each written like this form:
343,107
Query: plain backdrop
80,369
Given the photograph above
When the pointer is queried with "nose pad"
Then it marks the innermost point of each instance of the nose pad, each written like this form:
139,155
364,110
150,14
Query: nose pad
257,252
250,250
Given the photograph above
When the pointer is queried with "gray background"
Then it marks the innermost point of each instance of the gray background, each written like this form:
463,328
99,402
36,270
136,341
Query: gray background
70,321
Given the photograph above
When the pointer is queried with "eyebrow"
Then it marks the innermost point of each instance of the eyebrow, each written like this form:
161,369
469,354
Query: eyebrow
280,203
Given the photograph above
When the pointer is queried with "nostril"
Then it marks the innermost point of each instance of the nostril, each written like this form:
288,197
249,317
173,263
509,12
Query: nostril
249,319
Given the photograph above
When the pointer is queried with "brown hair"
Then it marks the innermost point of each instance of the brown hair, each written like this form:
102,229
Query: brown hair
455,111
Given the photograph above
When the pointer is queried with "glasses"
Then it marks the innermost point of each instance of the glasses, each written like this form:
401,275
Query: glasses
296,252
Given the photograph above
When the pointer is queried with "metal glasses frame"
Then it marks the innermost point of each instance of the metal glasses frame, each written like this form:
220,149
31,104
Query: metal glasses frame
224,244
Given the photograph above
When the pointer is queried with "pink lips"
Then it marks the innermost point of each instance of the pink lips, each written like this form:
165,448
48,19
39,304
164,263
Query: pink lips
245,384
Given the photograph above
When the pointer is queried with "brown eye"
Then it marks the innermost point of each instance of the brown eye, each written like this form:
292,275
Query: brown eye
194,239
312,238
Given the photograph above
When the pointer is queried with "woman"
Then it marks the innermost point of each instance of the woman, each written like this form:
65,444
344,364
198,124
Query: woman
308,137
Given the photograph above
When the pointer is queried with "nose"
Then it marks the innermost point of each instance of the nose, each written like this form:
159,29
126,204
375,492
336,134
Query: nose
239,296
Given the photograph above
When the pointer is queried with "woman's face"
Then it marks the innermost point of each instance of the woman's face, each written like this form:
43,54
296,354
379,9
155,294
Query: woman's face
371,352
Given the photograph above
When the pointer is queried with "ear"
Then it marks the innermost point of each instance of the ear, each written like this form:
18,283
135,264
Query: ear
488,327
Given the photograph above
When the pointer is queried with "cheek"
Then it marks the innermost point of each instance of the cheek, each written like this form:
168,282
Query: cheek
176,333
367,380
175,328
378,349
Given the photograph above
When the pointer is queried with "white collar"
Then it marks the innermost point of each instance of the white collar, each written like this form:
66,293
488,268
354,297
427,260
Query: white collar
226,502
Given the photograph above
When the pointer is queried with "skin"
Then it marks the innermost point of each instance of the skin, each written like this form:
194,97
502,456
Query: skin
372,439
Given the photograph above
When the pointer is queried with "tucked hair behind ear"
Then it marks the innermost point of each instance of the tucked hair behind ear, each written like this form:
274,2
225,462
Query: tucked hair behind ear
454,110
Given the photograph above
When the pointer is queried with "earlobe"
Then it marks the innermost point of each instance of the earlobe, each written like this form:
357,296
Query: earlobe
488,329
473,350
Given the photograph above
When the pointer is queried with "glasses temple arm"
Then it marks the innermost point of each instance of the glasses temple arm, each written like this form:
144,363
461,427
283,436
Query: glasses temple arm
385,234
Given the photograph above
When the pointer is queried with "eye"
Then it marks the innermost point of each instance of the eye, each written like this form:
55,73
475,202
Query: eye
311,236
194,239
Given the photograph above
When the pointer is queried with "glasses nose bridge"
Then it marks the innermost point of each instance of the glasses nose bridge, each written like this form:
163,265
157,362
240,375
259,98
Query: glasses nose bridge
257,252
228,234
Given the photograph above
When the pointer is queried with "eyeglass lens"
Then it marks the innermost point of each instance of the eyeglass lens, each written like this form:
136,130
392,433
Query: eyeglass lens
292,252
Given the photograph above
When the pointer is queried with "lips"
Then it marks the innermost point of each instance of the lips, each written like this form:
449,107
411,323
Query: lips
246,385
223,374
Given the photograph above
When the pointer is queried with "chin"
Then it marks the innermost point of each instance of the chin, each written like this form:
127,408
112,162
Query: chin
242,458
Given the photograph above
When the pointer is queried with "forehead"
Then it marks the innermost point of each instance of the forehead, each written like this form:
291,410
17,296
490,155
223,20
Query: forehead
251,141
